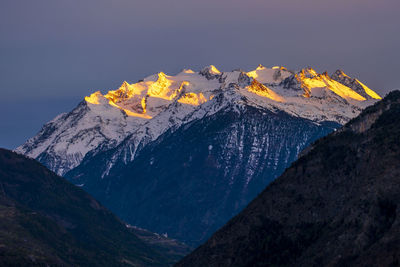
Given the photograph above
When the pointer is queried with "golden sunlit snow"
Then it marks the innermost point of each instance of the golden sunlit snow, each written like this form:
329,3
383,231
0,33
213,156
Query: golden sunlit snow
137,99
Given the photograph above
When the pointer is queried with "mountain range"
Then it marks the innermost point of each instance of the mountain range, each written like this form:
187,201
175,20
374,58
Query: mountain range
337,205
183,154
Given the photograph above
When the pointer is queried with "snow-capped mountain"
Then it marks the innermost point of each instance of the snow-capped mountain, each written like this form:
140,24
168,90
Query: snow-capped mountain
183,154
137,114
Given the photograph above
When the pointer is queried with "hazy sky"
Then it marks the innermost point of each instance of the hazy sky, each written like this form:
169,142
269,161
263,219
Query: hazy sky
54,52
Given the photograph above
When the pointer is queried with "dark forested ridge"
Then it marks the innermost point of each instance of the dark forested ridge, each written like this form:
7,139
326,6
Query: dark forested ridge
337,205
46,221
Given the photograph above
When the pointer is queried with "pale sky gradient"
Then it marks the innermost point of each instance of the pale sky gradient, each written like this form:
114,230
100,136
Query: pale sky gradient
54,52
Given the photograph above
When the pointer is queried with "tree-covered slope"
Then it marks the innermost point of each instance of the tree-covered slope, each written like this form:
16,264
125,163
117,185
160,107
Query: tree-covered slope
45,220
337,205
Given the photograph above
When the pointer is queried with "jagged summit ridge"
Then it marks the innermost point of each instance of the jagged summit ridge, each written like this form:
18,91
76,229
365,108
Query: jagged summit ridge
134,98
144,110
210,72
355,85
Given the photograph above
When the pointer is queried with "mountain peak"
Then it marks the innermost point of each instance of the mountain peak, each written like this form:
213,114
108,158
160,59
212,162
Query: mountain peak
162,75
124,88
355,85
339,73
273,75
213,69
96,98
210,72
187,71
260,67
152,100
279,68
308,72
316,84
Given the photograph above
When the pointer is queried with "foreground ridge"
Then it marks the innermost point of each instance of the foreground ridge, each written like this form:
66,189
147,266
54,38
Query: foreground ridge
337,205
47,221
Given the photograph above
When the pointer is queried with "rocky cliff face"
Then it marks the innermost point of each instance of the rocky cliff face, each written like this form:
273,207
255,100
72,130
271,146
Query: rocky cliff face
335,206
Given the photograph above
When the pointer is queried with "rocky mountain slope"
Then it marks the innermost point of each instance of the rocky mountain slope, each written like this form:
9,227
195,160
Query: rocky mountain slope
191,181
337,205
183,154
141,112
46,221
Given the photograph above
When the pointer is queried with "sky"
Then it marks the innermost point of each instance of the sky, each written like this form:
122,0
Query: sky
55,52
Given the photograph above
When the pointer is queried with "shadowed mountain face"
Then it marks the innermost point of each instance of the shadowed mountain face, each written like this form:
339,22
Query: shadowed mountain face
44,220
190,182
337,205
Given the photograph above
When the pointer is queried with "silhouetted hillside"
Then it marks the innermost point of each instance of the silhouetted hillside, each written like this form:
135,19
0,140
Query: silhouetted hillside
45,220
335,206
